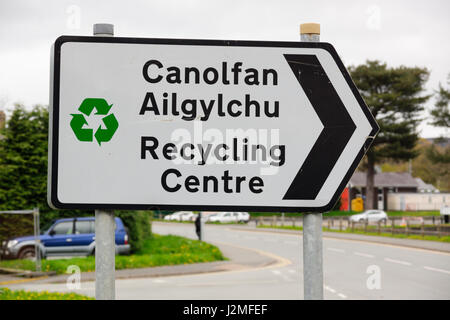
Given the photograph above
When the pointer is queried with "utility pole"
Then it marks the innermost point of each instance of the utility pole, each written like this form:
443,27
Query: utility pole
312,222
105,243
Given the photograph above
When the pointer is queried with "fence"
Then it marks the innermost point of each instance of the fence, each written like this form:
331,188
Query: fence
422,226
37,253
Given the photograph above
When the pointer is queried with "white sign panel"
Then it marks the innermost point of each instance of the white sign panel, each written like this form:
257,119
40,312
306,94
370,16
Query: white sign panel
198,124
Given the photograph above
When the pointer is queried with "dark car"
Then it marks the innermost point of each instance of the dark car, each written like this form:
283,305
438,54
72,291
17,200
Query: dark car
66,237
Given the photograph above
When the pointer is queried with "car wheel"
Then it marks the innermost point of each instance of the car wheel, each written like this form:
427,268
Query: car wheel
27,253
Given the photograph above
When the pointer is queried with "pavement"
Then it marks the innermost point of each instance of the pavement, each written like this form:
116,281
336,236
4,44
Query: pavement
267,264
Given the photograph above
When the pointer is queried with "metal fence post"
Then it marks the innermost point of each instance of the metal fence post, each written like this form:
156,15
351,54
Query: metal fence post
105,244
312,222
37,239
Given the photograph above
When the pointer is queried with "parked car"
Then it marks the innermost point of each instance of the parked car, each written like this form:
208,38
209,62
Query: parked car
243,217
370,216
181,216
222,217
66,237
227,217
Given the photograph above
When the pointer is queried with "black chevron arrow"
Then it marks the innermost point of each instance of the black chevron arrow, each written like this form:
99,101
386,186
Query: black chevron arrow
337,131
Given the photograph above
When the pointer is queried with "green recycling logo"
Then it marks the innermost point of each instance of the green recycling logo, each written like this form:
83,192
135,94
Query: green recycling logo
87,134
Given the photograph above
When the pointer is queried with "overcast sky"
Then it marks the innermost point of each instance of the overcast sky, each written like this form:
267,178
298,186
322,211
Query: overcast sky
412,33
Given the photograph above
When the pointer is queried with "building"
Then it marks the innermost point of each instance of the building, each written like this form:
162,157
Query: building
417,201
384,183
395,191
425,187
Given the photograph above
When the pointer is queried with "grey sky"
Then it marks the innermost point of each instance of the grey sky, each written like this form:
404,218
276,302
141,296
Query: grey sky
412,33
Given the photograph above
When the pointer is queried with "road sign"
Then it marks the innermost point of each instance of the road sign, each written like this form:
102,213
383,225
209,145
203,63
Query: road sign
202,124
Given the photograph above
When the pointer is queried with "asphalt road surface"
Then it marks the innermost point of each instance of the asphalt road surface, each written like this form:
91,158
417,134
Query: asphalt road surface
352,270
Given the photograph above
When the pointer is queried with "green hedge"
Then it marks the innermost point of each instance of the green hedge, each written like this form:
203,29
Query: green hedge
138,225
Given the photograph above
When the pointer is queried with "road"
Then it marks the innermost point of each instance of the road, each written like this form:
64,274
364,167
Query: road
352,270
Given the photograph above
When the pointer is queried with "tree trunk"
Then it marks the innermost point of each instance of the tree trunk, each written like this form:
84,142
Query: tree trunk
370,189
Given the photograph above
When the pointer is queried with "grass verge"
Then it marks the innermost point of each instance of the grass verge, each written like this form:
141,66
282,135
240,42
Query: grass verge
383,234
7,294
156,251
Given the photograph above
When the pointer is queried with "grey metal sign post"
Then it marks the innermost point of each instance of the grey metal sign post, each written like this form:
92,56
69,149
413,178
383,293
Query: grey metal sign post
312,222
105,247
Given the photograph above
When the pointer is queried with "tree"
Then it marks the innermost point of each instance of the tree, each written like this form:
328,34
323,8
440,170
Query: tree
440,114
23,159
394,96
429,165
23,178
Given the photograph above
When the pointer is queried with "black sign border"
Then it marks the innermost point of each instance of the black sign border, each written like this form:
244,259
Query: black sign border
53,149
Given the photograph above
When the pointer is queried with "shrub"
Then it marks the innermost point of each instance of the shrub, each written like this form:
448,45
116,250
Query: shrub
138,225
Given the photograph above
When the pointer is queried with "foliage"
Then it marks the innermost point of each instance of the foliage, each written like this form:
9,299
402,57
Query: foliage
7,294
13,225
138,225
155,251
23,160
394,96
431,165
23,179
440,114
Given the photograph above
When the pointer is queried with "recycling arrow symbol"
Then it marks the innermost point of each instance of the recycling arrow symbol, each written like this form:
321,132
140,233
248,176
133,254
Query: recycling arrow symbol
102,109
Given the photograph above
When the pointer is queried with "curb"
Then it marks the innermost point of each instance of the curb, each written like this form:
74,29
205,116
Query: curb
262,260
26,273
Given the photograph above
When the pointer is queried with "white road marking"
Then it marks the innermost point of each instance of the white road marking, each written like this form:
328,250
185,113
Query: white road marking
336,250
437,270
330,289
341,295
364,254
159,281
283,276
405,263
276,272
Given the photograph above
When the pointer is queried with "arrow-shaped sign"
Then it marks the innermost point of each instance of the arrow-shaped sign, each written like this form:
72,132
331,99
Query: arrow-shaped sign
205,125
338,127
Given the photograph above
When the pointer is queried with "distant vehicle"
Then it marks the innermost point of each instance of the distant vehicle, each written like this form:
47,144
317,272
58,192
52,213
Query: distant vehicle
243,217
222,217
227,217
370,216
181,216
66,237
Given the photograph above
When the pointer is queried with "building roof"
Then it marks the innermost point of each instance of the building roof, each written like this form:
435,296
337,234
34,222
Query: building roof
425,187
385,179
